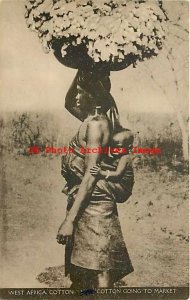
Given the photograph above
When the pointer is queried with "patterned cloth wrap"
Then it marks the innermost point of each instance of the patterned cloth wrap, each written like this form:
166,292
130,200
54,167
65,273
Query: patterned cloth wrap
97,242
73,171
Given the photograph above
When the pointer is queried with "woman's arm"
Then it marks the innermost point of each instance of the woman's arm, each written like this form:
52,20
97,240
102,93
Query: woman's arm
97,136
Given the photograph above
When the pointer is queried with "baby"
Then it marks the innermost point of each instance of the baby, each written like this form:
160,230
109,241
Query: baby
122,138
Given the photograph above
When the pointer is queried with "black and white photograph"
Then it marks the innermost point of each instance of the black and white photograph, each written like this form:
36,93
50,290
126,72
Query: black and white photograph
94,155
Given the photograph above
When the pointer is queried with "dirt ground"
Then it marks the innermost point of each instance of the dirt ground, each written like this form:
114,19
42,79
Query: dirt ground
154,223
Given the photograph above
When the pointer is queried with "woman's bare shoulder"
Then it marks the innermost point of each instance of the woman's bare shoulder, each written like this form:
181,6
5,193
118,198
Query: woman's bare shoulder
98,129
99,122
99,119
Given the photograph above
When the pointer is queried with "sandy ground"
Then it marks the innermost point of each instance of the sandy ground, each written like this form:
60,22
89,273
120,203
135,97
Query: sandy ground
154,223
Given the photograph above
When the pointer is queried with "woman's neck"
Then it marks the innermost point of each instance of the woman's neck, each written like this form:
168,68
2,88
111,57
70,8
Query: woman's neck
96,111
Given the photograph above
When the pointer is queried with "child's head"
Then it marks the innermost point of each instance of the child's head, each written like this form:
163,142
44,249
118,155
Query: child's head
122,138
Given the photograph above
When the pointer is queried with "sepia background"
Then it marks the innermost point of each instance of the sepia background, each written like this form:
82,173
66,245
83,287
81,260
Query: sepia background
153,102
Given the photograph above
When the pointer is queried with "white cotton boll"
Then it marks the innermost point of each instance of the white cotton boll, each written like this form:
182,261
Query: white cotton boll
79,40
96,57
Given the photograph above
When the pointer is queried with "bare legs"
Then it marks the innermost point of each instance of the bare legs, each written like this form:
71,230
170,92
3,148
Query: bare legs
104,280
89,279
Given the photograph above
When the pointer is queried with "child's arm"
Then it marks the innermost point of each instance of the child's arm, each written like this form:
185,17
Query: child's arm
114,176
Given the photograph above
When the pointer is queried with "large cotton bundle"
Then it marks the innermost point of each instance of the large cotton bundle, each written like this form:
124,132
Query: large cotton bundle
114,33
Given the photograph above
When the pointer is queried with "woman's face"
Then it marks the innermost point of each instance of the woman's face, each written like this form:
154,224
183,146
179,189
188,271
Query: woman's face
82,98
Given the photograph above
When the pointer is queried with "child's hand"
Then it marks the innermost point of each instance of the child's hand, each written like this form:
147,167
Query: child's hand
95,171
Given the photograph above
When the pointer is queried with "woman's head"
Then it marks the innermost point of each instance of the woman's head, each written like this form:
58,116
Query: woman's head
85,100
94,91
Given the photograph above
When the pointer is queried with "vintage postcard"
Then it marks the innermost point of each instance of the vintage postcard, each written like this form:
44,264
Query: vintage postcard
94,149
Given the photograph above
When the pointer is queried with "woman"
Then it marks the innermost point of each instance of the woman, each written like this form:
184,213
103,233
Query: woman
96,255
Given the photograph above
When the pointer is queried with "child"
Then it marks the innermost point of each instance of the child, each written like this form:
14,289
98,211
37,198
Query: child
121,179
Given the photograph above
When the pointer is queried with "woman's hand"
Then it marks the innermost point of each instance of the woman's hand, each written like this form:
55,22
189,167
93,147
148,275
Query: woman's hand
95,171
65,232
